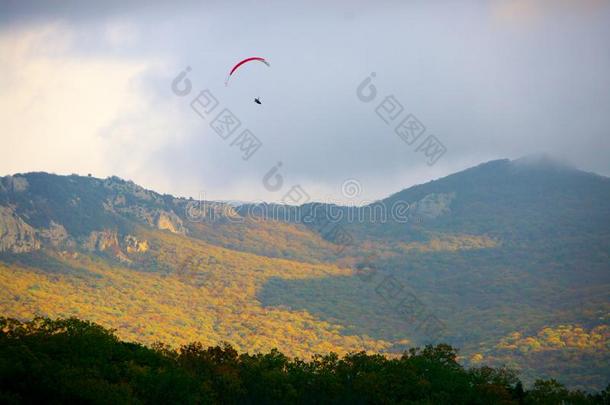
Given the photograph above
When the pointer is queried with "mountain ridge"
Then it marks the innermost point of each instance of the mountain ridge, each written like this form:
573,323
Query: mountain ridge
512,257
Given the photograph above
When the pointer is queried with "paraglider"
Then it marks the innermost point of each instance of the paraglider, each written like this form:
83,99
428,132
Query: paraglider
243,62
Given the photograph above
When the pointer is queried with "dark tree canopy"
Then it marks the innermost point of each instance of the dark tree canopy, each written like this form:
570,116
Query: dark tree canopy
74,361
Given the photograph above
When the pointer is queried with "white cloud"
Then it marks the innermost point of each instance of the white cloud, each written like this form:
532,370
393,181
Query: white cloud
64,112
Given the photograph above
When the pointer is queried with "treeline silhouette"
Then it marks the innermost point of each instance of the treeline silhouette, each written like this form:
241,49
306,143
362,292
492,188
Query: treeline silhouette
75,361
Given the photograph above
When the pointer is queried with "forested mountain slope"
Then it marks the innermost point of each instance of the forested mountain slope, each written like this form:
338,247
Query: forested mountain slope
510,260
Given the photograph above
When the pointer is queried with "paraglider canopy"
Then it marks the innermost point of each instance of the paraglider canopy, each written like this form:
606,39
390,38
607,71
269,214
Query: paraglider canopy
243,62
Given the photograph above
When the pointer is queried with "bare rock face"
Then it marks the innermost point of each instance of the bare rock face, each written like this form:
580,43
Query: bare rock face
169,221
16,236
101,241
433,205
56,235
112,243
15,184
129,187
106,241
119,200
134,245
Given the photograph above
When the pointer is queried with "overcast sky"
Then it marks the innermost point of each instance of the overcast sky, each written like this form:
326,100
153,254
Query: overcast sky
87,89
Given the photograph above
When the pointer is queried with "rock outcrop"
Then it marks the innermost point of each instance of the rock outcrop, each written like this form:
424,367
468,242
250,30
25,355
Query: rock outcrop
169,221
56,235
101,241
16,236
433,205
134,245
14,184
